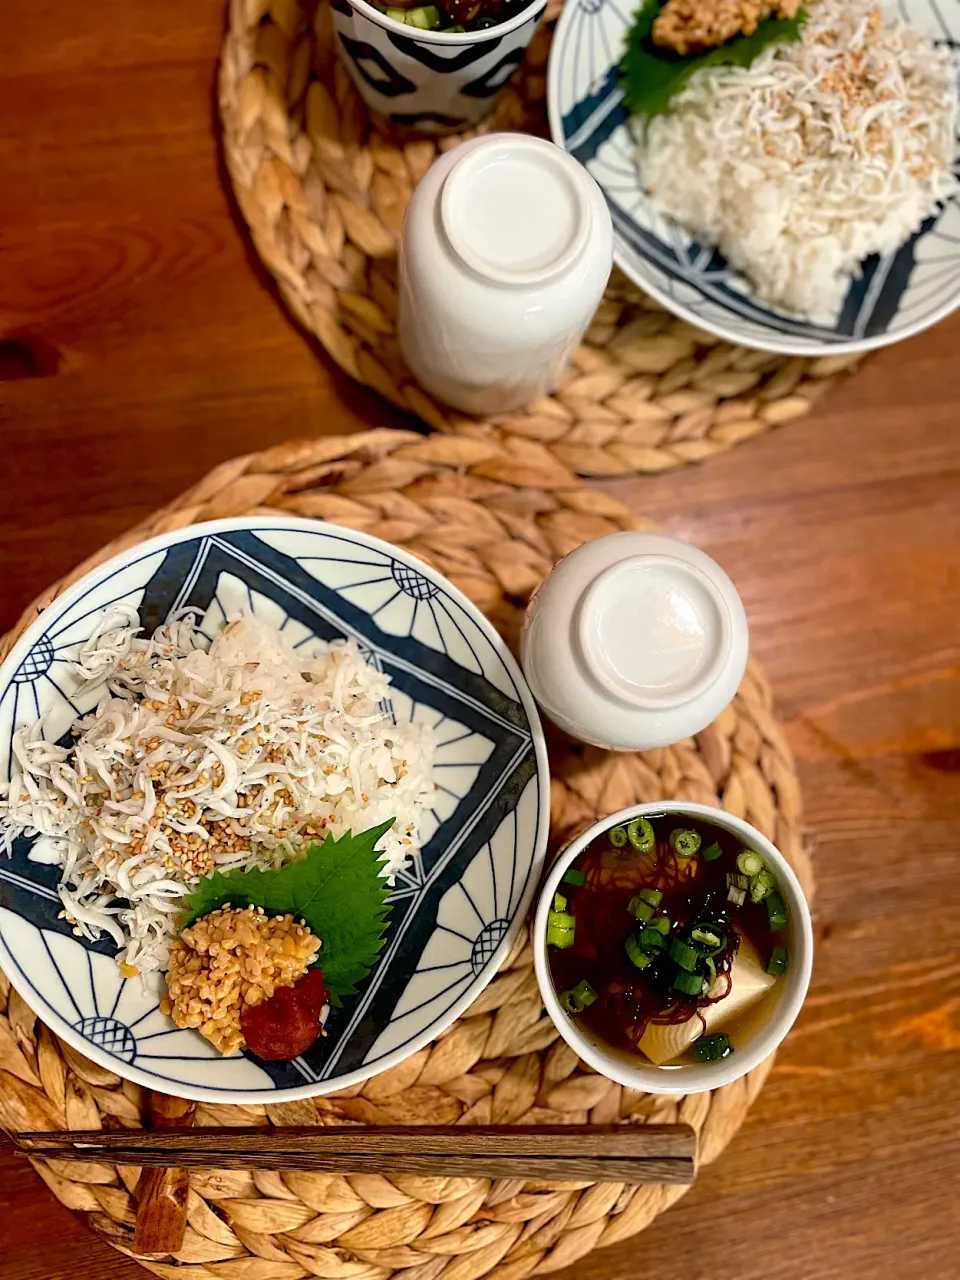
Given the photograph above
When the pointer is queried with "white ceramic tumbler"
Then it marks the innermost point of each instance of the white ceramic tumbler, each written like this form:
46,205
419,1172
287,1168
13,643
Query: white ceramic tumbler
634,641
507,247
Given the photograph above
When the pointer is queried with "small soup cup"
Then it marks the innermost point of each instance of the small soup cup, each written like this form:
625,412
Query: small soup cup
430,82
631,1071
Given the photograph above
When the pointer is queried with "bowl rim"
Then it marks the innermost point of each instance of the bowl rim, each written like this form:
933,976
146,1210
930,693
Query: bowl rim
684,1079
779,344
456,38
239,1097
812,350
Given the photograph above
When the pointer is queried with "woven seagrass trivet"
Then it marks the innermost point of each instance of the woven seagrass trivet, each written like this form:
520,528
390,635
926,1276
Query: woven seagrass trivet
492,515
323,188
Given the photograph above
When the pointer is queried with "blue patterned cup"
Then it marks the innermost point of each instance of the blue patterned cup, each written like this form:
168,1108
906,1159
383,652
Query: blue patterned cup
435,81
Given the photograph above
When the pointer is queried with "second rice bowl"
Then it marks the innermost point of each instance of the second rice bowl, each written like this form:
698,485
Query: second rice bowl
896,291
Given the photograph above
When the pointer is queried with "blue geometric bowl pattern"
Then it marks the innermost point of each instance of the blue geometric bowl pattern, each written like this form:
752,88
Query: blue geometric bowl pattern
433,84
895,296
455,911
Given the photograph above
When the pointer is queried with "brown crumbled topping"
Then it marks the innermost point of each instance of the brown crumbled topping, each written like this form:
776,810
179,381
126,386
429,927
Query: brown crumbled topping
693,26
230,958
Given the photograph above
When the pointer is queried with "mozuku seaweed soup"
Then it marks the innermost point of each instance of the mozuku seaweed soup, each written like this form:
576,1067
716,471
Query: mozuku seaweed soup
666,938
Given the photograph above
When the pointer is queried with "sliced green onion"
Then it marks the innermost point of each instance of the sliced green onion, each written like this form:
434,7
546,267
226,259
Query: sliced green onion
640,908
691,984
641,836
573,876
713,1048
749,863
578,998
617,836
562,920
561,927
778,961
736,881
559,902
737,896
662,924
776,912
637,957
713,931
685,956
705,936
712,852
424,18
684,842
651,939
762,885
398,15
586,993
711,972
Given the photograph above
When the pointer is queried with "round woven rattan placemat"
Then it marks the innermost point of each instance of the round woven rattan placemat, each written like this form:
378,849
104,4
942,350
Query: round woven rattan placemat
493,515
323,189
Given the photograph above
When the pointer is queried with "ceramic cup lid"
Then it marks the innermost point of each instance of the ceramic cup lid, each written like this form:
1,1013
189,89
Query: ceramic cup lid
635,641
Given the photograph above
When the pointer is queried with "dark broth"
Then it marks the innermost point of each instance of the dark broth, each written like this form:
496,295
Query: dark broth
695,891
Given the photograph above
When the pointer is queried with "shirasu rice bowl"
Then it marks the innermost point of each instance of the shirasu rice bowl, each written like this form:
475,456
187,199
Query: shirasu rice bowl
821,153
208,756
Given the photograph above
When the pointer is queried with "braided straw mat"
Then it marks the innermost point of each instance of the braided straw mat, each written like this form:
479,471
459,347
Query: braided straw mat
323,189
493,516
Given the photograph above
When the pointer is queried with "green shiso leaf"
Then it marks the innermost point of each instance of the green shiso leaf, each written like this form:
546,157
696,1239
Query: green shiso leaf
336,888
651,76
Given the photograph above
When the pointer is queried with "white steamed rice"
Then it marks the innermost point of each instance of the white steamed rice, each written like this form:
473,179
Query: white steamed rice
823,152
270,749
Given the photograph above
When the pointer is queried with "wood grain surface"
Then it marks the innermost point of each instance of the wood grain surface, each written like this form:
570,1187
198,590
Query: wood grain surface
140,345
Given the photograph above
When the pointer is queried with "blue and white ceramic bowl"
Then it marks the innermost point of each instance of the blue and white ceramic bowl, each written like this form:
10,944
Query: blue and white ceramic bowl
432,82
455,912
896,296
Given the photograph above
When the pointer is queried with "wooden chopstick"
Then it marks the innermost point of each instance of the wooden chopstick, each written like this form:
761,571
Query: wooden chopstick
162,1191
607,1153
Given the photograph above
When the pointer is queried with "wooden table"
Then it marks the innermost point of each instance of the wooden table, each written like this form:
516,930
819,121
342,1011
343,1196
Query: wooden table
142,345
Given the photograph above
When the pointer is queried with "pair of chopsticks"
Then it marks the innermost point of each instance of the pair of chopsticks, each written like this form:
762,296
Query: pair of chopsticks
607,1153
553,1153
